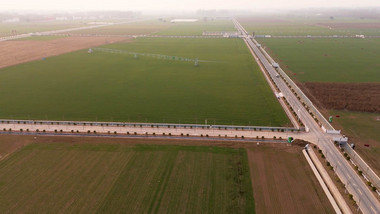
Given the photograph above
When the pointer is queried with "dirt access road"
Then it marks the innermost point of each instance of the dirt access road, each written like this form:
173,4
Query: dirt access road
16,52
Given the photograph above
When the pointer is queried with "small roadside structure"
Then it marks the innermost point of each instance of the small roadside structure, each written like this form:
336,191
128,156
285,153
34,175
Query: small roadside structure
340,140
279,95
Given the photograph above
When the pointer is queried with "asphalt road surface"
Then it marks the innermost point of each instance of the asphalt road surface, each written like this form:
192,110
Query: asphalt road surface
354,184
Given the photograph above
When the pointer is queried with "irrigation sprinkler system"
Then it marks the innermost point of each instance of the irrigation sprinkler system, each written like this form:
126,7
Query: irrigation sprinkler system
157,56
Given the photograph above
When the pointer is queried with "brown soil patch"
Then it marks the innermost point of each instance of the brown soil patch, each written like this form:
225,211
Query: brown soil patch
370,154
16,52
284,183
344,96
300,143
10,144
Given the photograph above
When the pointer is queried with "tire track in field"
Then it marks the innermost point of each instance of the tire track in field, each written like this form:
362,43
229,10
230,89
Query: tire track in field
162,188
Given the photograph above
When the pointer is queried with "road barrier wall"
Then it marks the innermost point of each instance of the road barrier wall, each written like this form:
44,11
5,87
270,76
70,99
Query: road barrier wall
363,166
321,181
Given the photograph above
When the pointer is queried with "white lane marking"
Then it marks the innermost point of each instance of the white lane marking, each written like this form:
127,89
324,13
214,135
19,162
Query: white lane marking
348,176
360,192
374,211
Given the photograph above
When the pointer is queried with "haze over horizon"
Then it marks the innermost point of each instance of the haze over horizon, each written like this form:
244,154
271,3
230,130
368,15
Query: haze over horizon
184,5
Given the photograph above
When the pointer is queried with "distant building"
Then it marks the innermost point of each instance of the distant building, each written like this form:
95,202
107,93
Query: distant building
360,36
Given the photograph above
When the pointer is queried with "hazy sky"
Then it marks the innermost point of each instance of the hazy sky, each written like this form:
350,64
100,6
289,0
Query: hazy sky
177,4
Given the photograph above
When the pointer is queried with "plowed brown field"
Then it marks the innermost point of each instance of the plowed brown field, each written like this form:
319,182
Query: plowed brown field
10,144
284,183
345,96
16,52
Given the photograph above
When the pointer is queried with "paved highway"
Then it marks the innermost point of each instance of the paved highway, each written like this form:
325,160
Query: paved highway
158,130
354,184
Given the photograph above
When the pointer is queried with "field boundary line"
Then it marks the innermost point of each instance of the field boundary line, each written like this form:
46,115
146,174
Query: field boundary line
152,125
322,182
142,136
362,165
330,184
52,32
